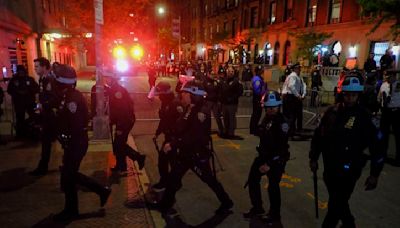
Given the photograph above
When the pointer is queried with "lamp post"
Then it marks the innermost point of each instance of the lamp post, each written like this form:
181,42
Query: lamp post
161,11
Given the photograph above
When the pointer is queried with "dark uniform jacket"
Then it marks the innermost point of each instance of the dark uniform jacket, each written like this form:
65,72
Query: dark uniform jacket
247,74
72,119
47,95
342,136
121,105
213,89
231,90
23,89
169,114
192,135
274,147
316,80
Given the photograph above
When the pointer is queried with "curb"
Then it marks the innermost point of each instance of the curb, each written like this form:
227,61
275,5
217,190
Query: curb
153,215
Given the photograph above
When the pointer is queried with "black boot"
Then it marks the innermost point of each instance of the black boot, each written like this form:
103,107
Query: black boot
66,215
253,212
104,196
38,172
224,208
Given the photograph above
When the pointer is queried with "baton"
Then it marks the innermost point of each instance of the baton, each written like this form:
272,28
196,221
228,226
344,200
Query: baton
315,193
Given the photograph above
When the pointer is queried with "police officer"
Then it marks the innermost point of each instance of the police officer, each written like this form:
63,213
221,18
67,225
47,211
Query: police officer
169,112
47,101
316,82
72,119
22,89
194,152
389,95
293,93
345,131
273,154
231,90
122,115
212,86
247,75
259,88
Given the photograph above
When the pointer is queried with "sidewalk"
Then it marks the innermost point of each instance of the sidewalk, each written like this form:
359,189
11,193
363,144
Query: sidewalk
28,201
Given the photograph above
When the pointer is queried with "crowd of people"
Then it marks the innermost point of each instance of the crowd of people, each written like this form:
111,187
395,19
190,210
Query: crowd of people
347,128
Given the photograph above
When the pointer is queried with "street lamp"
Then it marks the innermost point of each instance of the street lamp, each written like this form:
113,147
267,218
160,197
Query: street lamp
161,10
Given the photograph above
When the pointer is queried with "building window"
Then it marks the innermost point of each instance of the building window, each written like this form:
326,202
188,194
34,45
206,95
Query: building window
286,54
211,32
236,3
225,26
272,12
206,9
335,11
253,17
233,28
245,19
276,53
288,10
312,12
217,29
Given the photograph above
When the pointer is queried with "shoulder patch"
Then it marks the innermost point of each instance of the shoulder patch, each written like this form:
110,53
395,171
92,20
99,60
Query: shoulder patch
72,107
28,82
258,83
48,87
285,127
118,95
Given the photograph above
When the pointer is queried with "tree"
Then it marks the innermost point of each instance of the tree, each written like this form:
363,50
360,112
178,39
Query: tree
381,11
166,41
308,43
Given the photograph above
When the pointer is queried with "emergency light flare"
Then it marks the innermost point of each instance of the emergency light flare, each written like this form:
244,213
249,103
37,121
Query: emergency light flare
137,52
121,65
119,52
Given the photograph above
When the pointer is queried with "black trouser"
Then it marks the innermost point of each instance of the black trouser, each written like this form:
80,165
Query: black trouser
70,175
314,94
165,162
48,136
255,116
229,113
274,177
391,117
340,188
293,111
121,148
20,109
215,108
202,168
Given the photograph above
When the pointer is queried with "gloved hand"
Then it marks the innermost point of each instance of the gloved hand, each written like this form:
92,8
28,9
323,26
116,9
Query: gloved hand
371,183
264,168
167,148
313,165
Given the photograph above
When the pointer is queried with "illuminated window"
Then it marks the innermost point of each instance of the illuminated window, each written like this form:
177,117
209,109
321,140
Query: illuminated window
312,12
335,11
272,13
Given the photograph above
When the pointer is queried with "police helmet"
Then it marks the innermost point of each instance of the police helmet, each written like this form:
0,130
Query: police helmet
352,84
163,88
194,88
272,99
295,66
64,74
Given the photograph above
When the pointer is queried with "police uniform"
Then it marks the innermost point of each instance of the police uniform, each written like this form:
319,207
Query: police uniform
342,136
273,151
258,86
72,119
213,101
231,90
316,82
47,101
123,116
390,97
193,146
293,90
22,90
169,112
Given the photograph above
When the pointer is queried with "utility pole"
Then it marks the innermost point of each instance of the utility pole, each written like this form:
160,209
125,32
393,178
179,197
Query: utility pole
100,121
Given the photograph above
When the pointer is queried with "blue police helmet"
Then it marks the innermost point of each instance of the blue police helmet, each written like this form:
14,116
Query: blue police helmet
272,99
352,84
194,89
